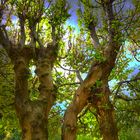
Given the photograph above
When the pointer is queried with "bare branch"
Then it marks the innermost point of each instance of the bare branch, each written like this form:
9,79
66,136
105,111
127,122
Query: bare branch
91,26
49,4
126,98
126,81
121,7
69,84
76,71
22,29
32,33
66,68
136,58
4,40
79,76
110,15
94,35
53,34
85,111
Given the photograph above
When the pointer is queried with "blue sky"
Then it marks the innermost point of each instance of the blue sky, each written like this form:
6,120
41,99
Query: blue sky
73,19
74,6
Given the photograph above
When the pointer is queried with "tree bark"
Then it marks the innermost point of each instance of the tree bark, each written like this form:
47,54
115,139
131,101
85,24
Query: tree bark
33,115
33,121
80,100
70,118
97,72
105,113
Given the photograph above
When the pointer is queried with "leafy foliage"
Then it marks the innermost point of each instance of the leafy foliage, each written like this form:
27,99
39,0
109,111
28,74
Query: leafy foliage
76,54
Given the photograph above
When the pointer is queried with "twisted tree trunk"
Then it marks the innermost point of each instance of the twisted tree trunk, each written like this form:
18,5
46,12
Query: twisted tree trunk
105,112
99,71
103,105
33,115
80,100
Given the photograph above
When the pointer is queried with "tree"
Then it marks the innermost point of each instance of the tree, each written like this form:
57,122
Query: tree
108,37
27,47
32,33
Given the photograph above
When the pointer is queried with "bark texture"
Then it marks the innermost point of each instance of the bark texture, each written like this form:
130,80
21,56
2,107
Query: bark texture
105,112
33,115
30,113
80,100
83,93
99,72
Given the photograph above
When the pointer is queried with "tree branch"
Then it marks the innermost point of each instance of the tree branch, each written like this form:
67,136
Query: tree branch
22,29
34,36
70,70
126,81
4,40
38,39
76,71
94,35
79,76
126,98
65,84
107,6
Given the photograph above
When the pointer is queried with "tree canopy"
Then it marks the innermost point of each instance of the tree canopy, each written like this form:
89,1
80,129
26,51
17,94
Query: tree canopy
60,81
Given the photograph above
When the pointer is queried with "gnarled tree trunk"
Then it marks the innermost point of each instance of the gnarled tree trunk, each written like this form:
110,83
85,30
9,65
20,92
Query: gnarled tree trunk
80,100
105,112
33,121
70,118
105,109
98,71
33,115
